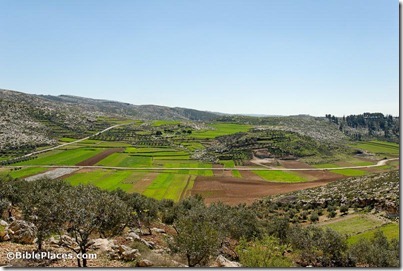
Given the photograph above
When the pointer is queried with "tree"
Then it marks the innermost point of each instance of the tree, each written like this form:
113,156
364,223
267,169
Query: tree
344,209
93,210
267,252
318,247
45,206
196,237
314,217
377,251
11,193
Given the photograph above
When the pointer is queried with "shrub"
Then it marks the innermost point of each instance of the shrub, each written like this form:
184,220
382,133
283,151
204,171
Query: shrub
266,252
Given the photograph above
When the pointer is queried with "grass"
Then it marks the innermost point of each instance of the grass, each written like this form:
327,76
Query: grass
346,172
25,172
220,129
193,146
67,139
227,163
167,186
63,157
358,162
391,231
157,123
354,225
379,147
279,176
350,172
236,174
125,160
104,179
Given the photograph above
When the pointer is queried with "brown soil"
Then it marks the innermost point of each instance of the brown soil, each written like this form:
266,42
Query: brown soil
141,185
233,191
217,171
293,164
95,159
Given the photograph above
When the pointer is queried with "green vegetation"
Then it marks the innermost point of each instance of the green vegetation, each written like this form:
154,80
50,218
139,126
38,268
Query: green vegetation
165,122
279,176
221,129
104,179
379,147
125,160
267,252
63,157
168,186
350,172
354,225
25,172
236,174
390,230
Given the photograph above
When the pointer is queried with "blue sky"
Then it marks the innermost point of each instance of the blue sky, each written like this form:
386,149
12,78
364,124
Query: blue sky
280,57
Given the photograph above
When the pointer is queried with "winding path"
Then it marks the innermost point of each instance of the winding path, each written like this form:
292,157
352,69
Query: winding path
73,142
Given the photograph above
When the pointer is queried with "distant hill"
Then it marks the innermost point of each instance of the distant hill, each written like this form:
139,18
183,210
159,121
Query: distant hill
146,112
28,121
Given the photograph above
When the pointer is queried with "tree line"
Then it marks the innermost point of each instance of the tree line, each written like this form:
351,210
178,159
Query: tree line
375,125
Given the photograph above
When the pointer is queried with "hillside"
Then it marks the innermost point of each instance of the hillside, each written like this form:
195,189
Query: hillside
191,233
28,121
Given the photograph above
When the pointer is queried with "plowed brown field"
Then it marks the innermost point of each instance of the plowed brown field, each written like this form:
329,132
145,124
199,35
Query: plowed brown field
250,187
95,159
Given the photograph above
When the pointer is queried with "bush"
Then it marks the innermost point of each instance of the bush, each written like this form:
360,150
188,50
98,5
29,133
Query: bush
376,252
314,217
266,252
331,214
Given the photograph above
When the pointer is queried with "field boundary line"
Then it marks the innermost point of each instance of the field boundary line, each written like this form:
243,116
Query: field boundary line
380,163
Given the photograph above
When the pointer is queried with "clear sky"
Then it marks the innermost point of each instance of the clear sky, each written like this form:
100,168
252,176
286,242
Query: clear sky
279,57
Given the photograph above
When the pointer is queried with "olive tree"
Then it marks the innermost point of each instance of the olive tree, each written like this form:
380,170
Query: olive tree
92,210
196,238
45,206
266,252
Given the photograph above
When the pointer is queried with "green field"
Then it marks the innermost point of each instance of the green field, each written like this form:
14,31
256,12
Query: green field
107,179
346,172
168,186
349,172
379,147
125,160
279,176
236,174
63,157
354,225
390,230
157,123
220,129
227,163
25,172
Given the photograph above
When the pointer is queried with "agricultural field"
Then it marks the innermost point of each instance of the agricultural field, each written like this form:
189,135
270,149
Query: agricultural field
356,227
379,147
171,159
63,157
280,176
221,129
390,230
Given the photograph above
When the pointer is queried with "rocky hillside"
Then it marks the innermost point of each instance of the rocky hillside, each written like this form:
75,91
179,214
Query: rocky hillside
146,112
378,192
28,121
